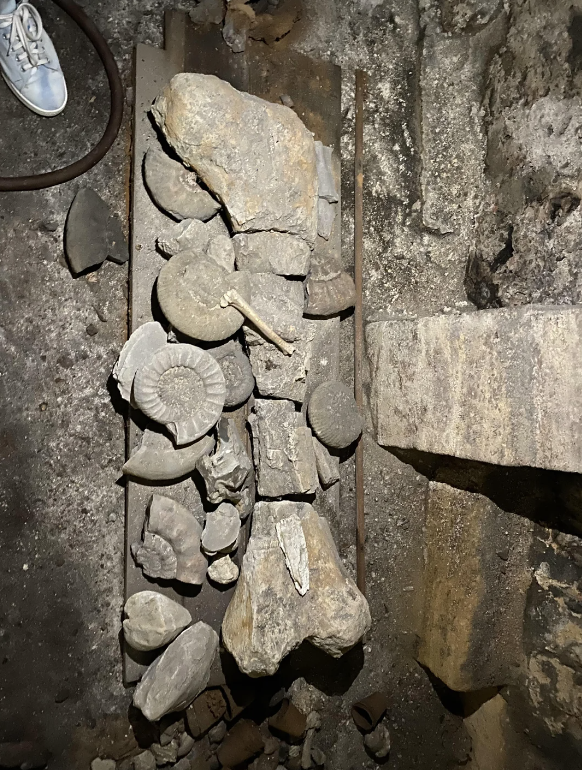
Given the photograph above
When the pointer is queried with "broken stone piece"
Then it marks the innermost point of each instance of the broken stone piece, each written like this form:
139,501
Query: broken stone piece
171,543
294,547
327,465
165,754
103,764
264,172
223,570
173,680
144,761
287,101
272,252
325,174
334,415
221,250
468,386
190,288
191,235
139,349
221,530
283,450
325,217
153,620
378,741
92,233
260,627
238,21
278,22
183,388
174,188
157,459
237,372
208,12
279,302
226,471
329,290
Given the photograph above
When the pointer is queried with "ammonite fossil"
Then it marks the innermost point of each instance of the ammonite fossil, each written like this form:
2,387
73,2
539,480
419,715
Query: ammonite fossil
237,371
183,388
333,414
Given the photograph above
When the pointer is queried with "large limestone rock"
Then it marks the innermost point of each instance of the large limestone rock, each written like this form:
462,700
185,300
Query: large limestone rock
499,386
476,582
173,680
257,157
262,625
283,450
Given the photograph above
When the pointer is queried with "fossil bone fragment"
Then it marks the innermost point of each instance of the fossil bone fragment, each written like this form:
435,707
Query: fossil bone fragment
223,570
237,372
233,298
157,459
333,414
171,543
182,388
190,288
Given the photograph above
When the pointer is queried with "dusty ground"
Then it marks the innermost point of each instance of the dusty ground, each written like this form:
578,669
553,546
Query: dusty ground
62,438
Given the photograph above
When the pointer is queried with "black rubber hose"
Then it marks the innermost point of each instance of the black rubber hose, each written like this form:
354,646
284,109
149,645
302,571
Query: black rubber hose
52,178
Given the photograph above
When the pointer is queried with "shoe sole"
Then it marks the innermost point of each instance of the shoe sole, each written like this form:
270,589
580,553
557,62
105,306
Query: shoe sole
33,107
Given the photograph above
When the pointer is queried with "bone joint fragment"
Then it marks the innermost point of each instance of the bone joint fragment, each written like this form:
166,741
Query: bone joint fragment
232,297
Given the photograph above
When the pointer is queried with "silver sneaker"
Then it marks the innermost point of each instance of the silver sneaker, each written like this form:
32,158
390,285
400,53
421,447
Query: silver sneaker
29,63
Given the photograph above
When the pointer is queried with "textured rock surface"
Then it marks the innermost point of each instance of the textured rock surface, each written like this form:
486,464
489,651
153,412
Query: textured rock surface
223,570
171,543
158,459
497,386
190,235
221,530
153,620
260,627
137,351
327,464
264,172
272,252
283,450
292,541
227,471
144,761
175,189
279,302
173,680
476,580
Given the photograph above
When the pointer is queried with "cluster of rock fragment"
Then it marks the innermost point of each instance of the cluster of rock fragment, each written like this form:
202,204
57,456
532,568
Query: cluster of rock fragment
253,208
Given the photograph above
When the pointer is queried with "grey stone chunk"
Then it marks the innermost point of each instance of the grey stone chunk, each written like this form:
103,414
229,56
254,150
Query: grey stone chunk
261,626
283,450
174,188
190,235
158,459
144,761
103,764
227,470
92,233
471,592
281,376
137,351
223,570
165,755
279,302
153,620
208,12
173,680
237,372
264,172
327,465
238,22
221,250
171,543
325,173
186,744
325,217
217,733
272,252
221,530
498,386
378,741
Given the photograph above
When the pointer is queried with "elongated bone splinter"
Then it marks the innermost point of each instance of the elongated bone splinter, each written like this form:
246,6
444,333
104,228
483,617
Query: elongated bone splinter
232,297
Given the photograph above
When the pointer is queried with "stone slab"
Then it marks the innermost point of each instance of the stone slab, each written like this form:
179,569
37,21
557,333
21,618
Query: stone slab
498,386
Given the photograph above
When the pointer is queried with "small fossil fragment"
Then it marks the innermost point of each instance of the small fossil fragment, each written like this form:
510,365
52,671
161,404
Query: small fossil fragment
139,349
327,465
328,289
190,235
171,543
233,298
228,471
333,414
292,542
239,20
157,459
237,371
153,620
183,388
190,289
223,570
221,530
174,188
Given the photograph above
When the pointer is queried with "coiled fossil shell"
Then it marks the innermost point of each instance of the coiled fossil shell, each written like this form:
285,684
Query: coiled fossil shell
328,289
157,459
237,371
334,415
189,291
182,388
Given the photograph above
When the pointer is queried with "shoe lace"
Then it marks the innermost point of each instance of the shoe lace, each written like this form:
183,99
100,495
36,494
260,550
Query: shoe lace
25,34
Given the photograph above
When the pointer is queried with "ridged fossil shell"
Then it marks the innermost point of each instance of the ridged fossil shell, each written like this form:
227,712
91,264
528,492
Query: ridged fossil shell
182,388
329,296
237,371
157,459
189,291
334,415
